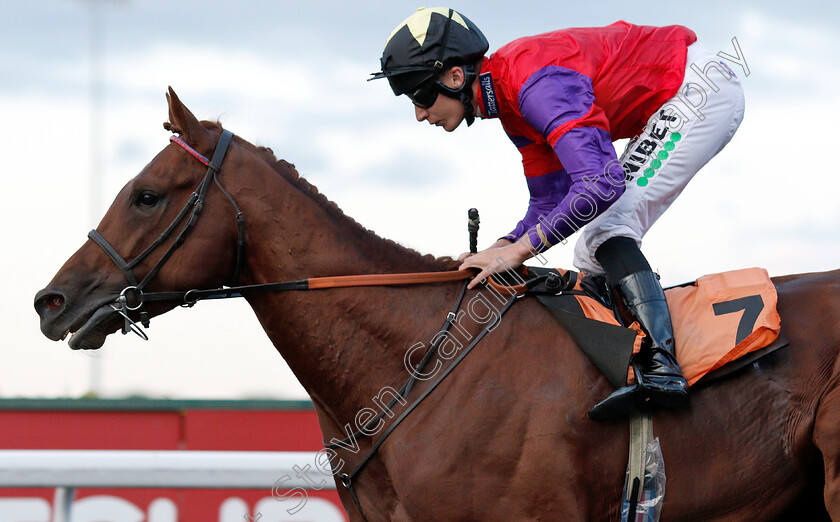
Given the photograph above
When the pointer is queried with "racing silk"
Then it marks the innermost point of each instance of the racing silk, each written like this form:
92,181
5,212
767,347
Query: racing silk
562,98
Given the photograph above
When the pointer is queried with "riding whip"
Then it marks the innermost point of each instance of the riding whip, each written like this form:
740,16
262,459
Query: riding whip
472,226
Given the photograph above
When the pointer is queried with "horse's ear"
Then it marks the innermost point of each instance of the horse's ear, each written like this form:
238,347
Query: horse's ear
183,122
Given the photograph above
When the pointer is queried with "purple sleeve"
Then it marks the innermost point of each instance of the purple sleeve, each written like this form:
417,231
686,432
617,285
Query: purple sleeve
552,97
597,181
545,192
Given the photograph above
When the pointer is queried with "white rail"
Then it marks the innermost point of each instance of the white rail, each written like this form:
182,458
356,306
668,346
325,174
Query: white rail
70,469
157,469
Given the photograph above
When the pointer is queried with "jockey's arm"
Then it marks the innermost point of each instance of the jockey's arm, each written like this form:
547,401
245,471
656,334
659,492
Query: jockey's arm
572,177
560,105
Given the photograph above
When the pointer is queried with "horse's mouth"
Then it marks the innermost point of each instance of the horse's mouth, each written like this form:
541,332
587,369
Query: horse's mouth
90,331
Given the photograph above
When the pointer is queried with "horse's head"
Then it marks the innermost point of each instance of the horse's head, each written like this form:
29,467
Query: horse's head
83,296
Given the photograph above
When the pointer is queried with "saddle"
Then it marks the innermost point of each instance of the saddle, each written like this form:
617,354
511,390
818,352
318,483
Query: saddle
722,322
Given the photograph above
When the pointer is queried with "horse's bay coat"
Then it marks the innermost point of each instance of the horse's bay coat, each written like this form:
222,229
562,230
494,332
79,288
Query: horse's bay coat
506,435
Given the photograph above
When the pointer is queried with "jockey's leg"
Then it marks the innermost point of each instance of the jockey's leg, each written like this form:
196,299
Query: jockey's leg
660,380
674,145
687,131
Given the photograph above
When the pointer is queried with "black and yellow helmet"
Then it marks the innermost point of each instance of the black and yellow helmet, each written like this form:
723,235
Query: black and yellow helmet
427,43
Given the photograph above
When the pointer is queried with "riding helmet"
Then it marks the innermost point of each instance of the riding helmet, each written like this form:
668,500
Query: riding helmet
427,43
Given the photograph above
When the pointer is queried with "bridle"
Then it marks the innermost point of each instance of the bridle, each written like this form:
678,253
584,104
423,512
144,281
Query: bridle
132,298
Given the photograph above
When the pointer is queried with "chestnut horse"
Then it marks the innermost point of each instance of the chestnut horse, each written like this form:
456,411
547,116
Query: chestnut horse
506,435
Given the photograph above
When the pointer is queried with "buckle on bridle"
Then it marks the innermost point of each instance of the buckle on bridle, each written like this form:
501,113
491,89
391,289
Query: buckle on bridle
346,480
187,303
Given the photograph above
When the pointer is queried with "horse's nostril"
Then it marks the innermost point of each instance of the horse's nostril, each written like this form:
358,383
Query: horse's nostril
53,301
51,307
49,301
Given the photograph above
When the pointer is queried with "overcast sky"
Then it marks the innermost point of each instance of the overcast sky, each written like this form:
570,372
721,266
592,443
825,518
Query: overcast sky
291,75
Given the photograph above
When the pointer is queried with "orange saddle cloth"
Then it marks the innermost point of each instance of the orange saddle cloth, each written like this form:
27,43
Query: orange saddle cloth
717,319
722,317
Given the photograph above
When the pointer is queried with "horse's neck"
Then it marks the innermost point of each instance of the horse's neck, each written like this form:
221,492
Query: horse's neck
344,345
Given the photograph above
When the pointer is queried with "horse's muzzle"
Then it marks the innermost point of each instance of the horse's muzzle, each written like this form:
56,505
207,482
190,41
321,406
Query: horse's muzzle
89,320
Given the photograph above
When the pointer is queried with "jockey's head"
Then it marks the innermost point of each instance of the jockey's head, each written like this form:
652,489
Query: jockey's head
435,51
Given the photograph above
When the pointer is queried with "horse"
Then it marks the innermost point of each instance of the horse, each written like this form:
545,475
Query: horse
505,436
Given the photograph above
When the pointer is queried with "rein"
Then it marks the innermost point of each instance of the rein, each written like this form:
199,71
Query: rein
190,297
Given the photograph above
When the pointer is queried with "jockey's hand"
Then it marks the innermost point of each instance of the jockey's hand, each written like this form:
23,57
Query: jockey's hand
495,260
465,255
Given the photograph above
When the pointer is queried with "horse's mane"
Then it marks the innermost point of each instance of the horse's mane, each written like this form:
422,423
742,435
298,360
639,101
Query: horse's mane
289,172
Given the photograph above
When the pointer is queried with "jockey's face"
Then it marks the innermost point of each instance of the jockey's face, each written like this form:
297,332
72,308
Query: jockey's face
445,112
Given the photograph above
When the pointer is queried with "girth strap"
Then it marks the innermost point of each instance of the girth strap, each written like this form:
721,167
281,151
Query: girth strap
415,376
347,478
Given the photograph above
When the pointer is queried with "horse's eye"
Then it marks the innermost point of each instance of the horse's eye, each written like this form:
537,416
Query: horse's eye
147,199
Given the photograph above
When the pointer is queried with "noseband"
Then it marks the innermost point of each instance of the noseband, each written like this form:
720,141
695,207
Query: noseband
131,297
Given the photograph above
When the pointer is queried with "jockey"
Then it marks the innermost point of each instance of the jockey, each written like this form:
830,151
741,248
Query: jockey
563,97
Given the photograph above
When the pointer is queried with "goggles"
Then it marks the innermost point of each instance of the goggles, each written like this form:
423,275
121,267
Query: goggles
425,94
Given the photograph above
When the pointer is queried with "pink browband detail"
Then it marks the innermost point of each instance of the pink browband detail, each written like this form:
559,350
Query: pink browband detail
189,149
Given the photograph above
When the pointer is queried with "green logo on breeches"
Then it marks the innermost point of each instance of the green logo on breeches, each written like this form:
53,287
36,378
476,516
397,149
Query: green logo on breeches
657,161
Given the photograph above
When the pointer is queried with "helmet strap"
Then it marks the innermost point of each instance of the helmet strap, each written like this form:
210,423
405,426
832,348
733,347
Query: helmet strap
463,93
469,113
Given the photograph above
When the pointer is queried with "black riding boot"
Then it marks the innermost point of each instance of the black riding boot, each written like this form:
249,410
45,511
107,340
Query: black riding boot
660,380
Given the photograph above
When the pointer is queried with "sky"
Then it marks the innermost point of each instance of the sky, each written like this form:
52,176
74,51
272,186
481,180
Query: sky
292,76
